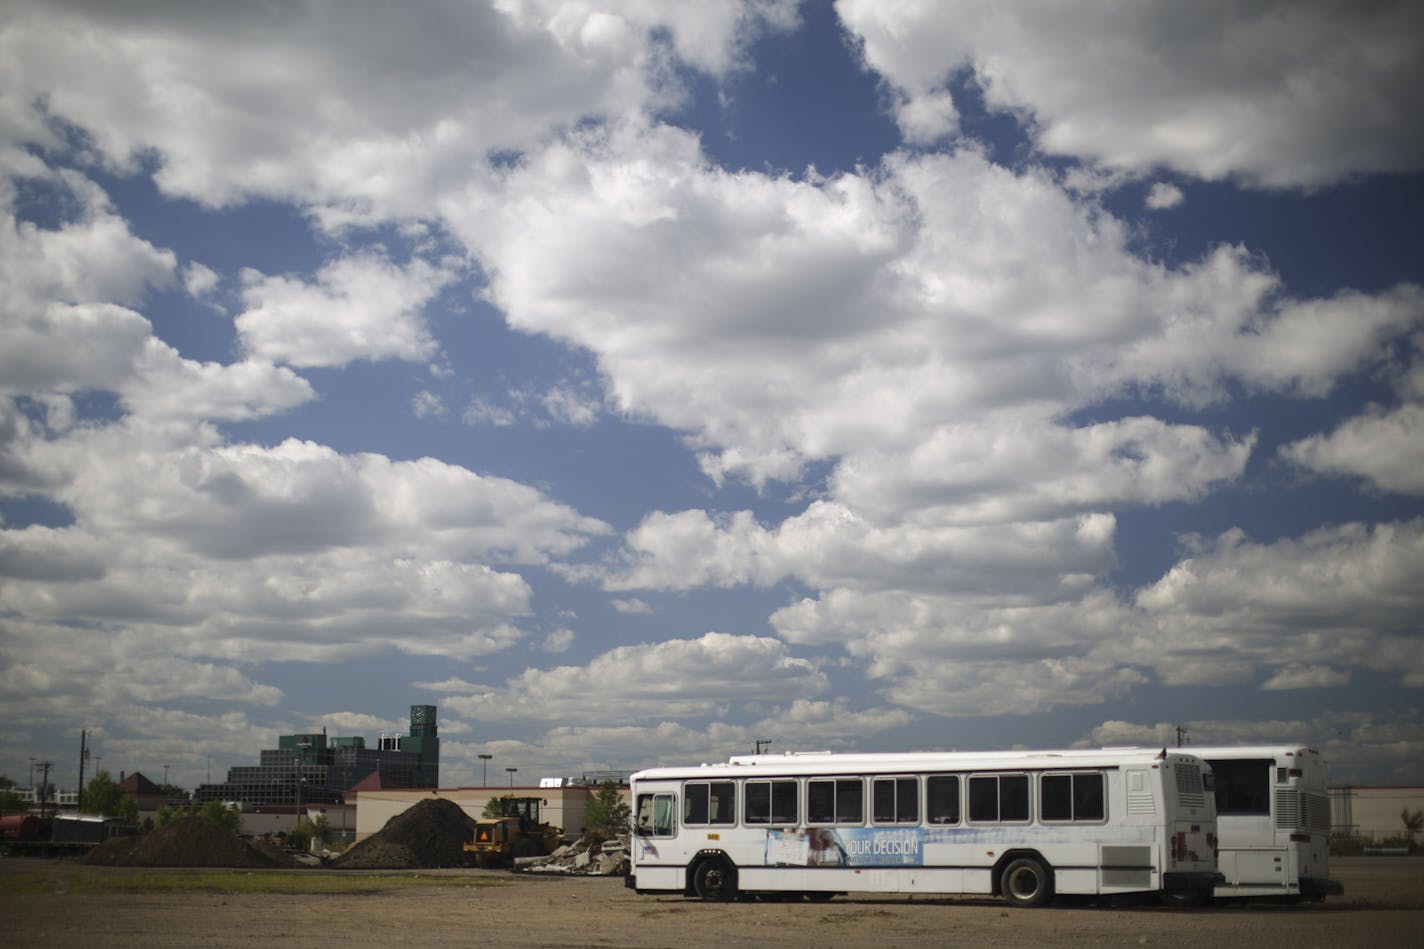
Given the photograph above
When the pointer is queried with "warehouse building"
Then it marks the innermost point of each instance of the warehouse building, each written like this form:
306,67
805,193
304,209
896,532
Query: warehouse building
1372,813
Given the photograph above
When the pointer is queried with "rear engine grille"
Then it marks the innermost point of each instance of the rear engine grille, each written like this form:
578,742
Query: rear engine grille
1288,809
1190,790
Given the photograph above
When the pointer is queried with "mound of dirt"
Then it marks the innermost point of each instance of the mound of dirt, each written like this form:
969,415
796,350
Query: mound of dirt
430,835
113,852
187,842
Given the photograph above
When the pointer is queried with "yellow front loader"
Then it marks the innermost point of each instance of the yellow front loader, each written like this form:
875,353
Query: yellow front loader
516,832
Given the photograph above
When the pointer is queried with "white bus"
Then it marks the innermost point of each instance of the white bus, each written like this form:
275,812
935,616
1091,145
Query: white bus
1021,825
1273,821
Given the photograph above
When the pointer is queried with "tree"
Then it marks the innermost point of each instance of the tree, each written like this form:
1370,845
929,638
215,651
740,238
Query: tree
307,832
222,815
10,800
12,803
1413,823
172,792
300,837
215,811
102,795
608,814
495,806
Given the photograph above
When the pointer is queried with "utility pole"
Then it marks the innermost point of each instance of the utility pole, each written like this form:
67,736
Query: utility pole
1181,736
83,756
44,785
762,744
484,762
511,775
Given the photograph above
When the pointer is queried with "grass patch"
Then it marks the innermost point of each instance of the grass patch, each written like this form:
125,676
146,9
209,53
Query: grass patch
295,883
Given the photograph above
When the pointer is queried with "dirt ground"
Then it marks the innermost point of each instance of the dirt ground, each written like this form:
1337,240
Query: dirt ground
1383,905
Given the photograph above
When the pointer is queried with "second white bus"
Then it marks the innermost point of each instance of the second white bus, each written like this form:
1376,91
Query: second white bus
1021,825
1273,821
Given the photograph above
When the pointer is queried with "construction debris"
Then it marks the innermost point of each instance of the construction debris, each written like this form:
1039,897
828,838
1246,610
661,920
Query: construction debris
589,855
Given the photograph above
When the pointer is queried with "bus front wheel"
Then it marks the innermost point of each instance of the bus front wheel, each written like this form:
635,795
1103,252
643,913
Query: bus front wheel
715,880
1026,882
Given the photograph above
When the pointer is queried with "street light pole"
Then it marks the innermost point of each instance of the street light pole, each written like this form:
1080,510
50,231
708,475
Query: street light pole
511,775
484,762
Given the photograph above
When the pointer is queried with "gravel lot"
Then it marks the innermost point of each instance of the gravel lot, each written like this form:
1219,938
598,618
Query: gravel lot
1383,906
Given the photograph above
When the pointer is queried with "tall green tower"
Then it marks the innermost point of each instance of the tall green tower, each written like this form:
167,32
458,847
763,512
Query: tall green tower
424,740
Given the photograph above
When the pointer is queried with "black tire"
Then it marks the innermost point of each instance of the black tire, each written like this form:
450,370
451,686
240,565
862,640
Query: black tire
525,847
1186,899
1026,882
714,880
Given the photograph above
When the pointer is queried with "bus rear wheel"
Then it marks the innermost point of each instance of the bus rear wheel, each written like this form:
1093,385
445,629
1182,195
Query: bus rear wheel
1026,882
715,880
1186,899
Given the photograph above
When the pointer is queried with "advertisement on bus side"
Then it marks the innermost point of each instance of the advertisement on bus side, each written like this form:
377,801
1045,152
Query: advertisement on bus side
846,847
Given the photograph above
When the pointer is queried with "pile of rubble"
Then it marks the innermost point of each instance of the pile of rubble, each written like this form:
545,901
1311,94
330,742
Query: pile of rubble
589,855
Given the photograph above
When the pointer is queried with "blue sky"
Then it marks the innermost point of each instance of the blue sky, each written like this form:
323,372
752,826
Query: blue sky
635,381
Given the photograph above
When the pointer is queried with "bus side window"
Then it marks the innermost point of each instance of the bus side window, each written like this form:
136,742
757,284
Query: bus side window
998,797
850,801
1013,797
984,798
723,804
882,801
1089,802
896,801
820,802
783,802
769,802
835,801
756,802
654,815
694,804
907,801
1070,797
942,799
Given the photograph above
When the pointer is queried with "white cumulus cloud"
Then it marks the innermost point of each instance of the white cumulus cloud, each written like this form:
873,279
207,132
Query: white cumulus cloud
1280,95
